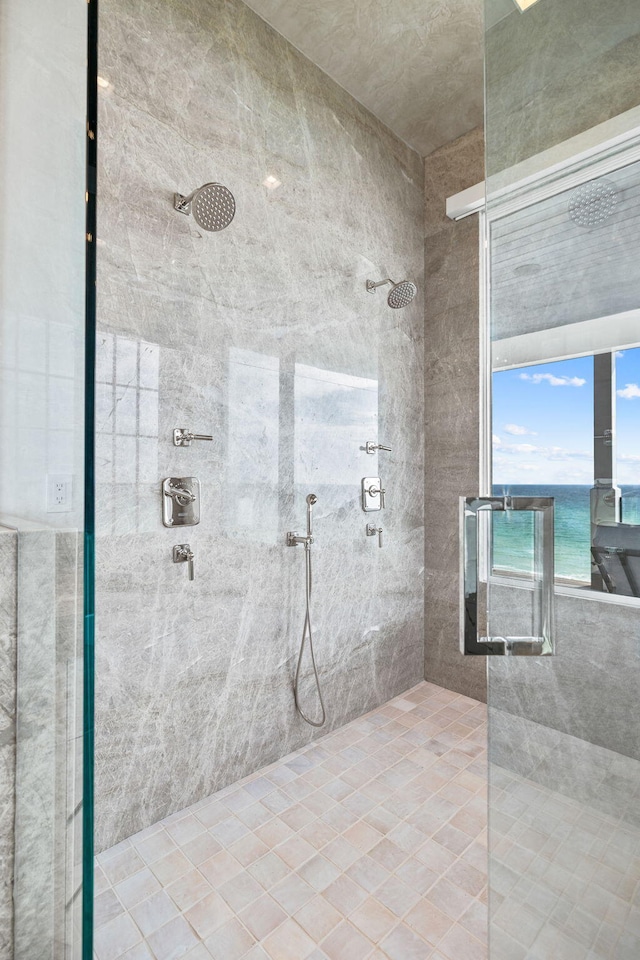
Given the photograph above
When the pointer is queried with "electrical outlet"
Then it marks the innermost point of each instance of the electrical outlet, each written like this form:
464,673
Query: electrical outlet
59,492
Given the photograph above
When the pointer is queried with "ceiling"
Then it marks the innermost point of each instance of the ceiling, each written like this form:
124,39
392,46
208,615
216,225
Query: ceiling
416,64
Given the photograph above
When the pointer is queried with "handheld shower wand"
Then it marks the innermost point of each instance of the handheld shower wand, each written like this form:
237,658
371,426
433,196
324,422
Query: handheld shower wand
292,541
311,499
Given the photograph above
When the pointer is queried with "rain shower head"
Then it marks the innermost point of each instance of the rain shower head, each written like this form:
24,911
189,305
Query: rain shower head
212,205
400,294
593,203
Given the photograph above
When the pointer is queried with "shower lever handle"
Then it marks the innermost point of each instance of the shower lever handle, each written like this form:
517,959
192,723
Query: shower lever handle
372,530
183,437
371,446
182,553
375,491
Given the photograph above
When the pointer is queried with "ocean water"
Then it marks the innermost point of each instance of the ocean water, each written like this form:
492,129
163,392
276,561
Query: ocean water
513,532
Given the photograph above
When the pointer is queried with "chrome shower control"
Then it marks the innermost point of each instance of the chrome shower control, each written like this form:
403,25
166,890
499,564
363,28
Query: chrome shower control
371,446
373,494
182,553
372,530
183,437
293,540
180,501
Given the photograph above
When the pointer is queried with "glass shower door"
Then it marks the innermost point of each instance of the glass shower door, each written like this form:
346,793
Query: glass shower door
563,376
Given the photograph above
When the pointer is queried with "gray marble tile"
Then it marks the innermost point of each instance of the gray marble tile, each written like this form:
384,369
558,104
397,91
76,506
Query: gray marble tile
540,65
451,404
263,336
588,690
8,627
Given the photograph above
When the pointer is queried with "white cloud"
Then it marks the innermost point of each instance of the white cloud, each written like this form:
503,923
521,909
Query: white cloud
524,448
629,457
497,442
517,431
630,392
553,380
559,453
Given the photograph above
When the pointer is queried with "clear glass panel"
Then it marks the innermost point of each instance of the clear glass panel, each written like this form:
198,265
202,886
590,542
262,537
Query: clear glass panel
563,226
42,502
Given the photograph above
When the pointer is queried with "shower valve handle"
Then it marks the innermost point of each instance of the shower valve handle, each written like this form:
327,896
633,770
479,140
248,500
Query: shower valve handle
182,553
180,494
372,530
374,491
371,446
183,437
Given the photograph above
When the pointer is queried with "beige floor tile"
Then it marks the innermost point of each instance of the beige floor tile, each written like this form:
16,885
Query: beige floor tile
201,848
373,919
116,936
188,889
459,944
171,867
220,868
248,849
345,895
319,872
137,887
346,943
269,870
318,918
430,922
403,943
232,941
262,916
295,851
289,942
154,913
292,893
363,836
208,914
170,941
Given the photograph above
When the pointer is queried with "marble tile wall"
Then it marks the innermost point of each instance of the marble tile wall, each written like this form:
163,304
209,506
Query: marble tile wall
8,626
265,337
589,689
556,71
451,403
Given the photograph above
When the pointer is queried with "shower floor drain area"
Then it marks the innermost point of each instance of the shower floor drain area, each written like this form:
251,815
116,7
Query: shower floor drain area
369,844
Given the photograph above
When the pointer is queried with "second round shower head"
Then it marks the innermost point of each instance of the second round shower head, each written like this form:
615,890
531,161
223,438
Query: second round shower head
213,206
400,294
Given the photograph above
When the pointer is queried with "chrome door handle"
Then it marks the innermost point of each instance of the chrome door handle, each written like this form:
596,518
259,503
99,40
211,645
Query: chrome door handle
476,571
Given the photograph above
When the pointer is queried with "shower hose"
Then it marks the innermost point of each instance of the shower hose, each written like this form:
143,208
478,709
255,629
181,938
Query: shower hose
306,634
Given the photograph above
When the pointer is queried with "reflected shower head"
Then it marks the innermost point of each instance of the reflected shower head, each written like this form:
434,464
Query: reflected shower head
593,203
400,294
213,206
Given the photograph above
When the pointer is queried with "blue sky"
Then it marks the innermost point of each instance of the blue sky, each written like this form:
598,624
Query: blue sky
543,422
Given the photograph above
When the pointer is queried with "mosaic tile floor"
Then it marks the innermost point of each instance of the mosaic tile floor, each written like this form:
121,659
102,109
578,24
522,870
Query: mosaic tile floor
369,844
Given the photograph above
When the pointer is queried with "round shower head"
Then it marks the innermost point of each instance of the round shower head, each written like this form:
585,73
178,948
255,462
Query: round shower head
311,499
401,294
593,203
213,206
